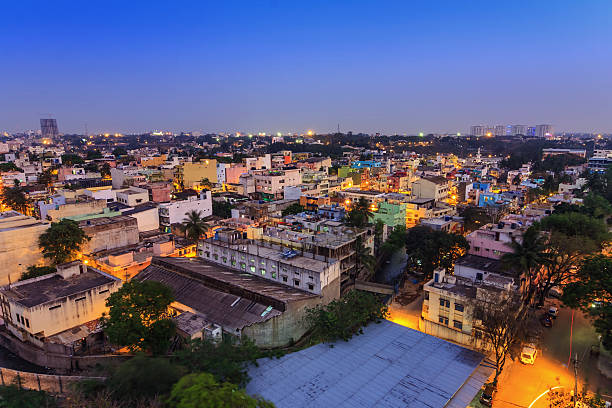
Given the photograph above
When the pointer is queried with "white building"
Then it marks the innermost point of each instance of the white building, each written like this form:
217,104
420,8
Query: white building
543,130
175,212
133,196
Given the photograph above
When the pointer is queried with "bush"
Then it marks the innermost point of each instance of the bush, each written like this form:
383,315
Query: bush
13,397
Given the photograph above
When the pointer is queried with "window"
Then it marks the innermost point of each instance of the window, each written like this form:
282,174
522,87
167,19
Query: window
242,265
477,249
27,323
262,271
426,295
479,276
216,257
253,269
310,277
273,275
207,254
233,262
18,320
79,299
457,324
310,286
284,278
224,259
444,302
263,262
103,291
55,307
459,307
296,282
443,320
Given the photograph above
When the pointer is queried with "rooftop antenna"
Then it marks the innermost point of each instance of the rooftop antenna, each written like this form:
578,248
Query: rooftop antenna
338,128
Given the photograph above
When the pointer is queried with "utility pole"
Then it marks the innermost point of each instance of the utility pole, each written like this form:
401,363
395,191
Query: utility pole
575,380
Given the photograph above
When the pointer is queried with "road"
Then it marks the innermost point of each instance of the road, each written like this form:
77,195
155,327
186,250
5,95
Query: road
520,384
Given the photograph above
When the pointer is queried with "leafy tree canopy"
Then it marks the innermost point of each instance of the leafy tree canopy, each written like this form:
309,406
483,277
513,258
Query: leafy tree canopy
10,166
13,397
71,159
194,226
138,316
62,241
429,249
292,209
36,271
222,209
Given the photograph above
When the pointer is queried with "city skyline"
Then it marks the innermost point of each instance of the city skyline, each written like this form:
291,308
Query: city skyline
401,68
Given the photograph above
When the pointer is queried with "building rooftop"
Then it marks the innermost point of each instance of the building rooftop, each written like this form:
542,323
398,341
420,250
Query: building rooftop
34,292
388,366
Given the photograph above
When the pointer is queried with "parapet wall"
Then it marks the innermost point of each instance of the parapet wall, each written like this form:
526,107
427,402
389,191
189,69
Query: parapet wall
54,384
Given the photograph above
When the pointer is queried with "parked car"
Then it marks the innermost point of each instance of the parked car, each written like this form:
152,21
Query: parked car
529,352
546,320
555,292
553,312
486,398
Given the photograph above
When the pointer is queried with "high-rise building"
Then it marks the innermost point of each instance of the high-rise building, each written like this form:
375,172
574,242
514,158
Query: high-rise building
500,130
531,131
543,130
518,130
48,128
477,130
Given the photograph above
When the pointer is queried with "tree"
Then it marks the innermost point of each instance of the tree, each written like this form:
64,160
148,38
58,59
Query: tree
591,291
205,183
15,198
294,208
46,178
10,166
342,318
94,154
227,360
430,249
194,226
359,215
527,258
105,170
138,316
34,271
119,151
570,237
395,241
499,318
13,397
62,241
560,398
364,260
202,390
71,159
474,218
222,209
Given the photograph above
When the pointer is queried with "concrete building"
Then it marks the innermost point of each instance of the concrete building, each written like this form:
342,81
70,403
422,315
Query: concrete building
543,130
267,312
19,245
270,184
556,152
133,196
493,240
478,130
450,300
109,233
38,308
127,176
393,215
312,273
174,212
147,216
189,174
159,192
62,207
436,188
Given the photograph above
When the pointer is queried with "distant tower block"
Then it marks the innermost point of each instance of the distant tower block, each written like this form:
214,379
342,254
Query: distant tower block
48,128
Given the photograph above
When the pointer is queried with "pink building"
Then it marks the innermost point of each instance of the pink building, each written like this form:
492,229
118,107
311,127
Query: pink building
493,241
159,192
232,174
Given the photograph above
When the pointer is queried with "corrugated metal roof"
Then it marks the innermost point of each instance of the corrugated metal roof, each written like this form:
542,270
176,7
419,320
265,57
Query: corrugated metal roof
389,366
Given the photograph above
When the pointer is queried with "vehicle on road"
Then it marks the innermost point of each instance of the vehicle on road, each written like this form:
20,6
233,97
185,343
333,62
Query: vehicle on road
555,292
486,398
553,312
529,353
546,320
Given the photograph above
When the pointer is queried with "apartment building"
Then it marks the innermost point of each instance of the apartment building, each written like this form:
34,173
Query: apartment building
270,184
436,188
494,240
190,174
175,212
133,196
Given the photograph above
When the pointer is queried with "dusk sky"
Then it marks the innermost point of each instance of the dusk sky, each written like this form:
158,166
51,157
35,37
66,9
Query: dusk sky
288,66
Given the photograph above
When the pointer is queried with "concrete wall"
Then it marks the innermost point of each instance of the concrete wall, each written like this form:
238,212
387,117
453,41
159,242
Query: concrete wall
193,173
82,208
54,384
19,246
113,235
147,220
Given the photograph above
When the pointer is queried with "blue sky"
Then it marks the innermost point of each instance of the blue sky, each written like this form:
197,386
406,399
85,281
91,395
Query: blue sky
405,67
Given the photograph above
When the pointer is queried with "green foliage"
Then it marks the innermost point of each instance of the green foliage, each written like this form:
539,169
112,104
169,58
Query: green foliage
94,154
143,377
105,170
10,166
119,151
576,224
593,205
34,271
13,397
222,209
15,198
560,398
342,318
46,178
558,162
62,241
429,249
201,390
359,215
591,291
138,316
70,159
292,209
395,241
474,218
365,262
227,360
194,226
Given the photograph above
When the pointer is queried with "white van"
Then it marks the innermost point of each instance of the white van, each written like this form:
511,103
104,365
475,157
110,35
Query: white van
529,353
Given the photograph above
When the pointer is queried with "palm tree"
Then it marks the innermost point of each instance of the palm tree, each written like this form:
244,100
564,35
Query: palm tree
364,260
528,256
194,226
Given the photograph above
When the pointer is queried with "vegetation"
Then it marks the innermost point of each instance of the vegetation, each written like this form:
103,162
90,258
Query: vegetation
428,249
10,166
105,170
591,291
194,226
15,198
560,398
292,209
70,159
226,361
62,241
359,215
365,262
502,325
13,397
138,317
222,209
119,151
342,318
36,271
46,178
395,241
202,390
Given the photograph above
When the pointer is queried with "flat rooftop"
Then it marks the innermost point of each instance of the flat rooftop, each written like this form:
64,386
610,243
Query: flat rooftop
388,366
54,287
